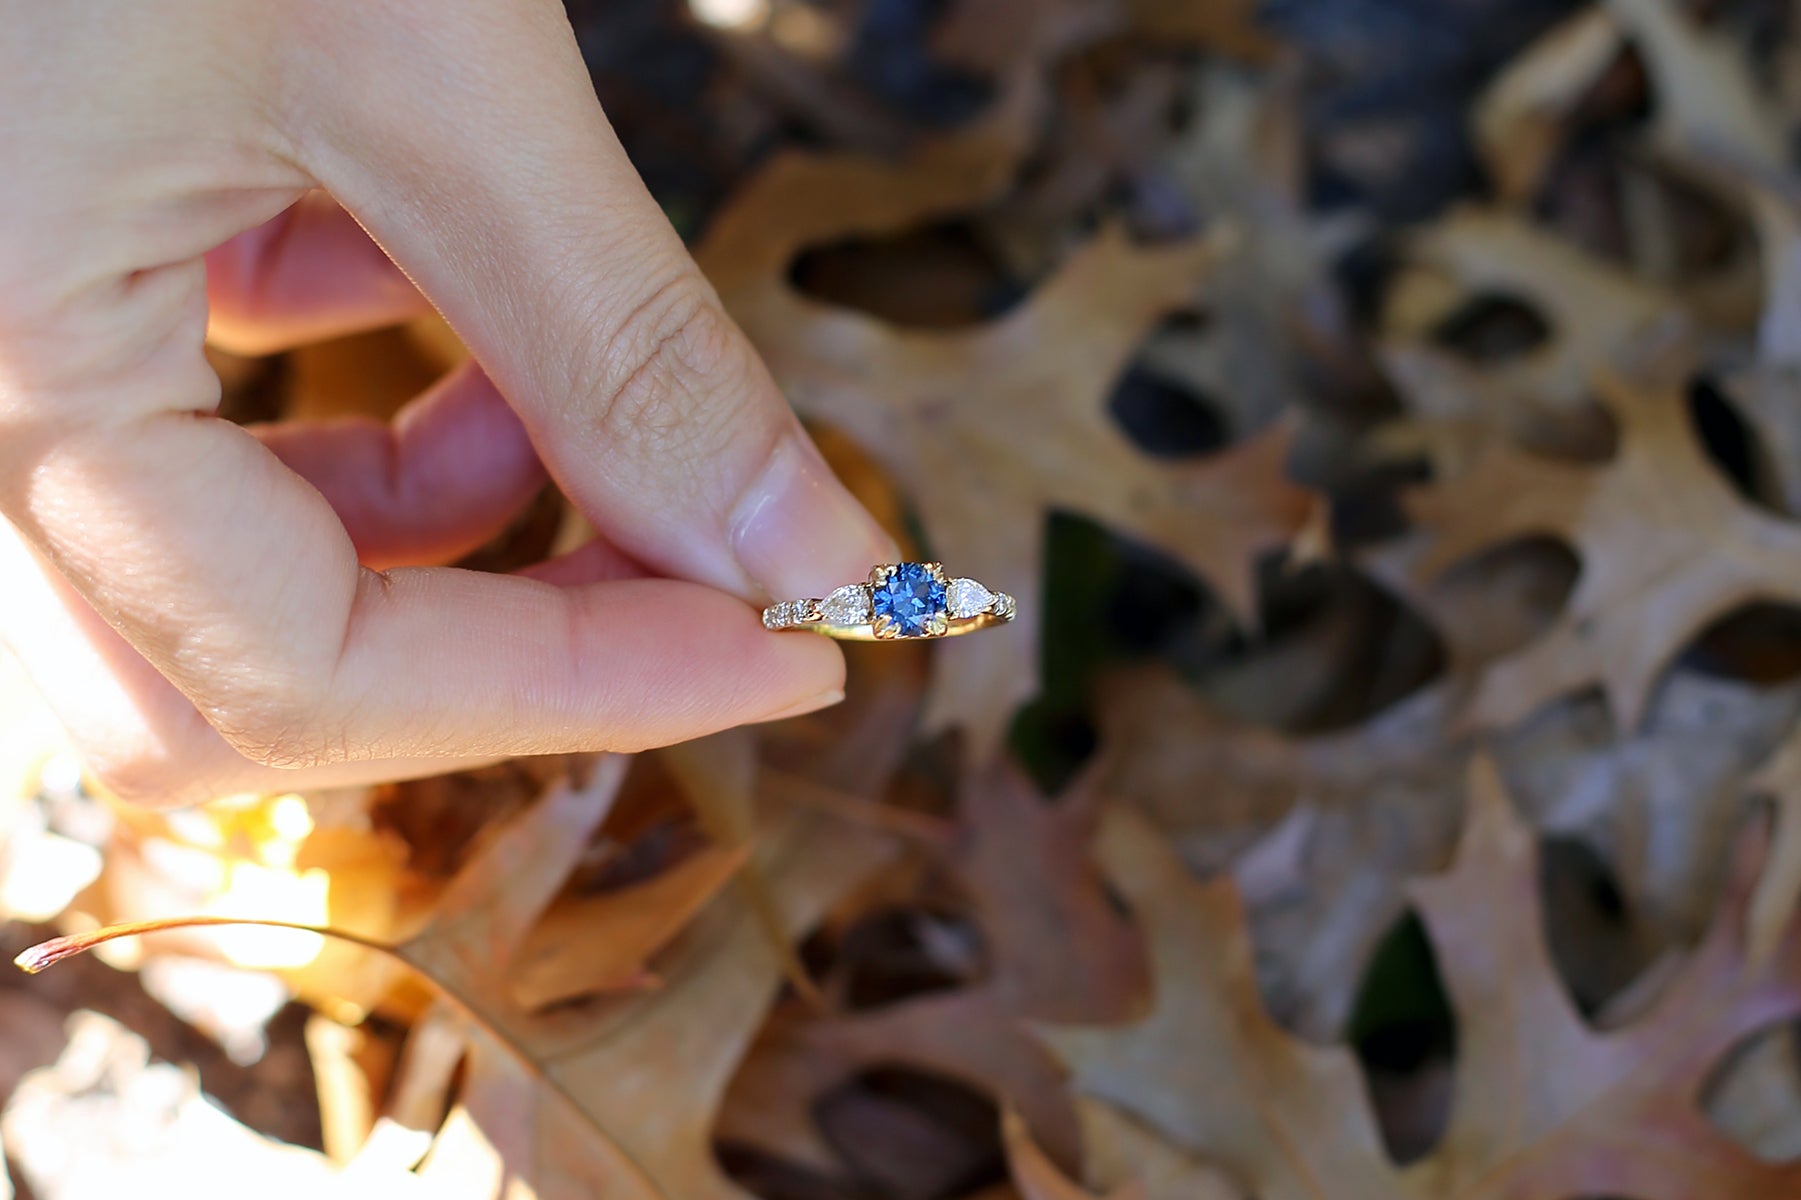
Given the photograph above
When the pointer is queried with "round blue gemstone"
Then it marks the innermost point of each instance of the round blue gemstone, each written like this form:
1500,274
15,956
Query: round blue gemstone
909,598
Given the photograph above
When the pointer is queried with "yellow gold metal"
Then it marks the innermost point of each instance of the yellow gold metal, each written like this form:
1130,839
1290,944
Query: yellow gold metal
953,627
848,613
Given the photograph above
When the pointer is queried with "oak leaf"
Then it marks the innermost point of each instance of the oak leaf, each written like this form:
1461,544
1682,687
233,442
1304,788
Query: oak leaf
601,943
1320,829
988,430
1277,325
1708,109
616,1098
1592,311
1037,1177
611,1097
1779,888
1764,391
1667,547
1546,1107
1707,106
1520,118
1057,950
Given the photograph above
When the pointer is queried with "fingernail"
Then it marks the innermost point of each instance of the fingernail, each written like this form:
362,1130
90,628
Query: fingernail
813,703
798,532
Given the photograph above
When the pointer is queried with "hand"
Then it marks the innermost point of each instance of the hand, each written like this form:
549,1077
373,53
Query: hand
212,609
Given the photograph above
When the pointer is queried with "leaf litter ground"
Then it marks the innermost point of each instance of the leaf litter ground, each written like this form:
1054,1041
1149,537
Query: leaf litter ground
1387,417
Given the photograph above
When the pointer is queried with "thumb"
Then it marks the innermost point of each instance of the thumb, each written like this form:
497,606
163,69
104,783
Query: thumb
466,138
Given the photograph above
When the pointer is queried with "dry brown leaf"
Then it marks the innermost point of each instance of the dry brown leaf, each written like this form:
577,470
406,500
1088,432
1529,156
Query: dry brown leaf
1227,26
1037,1177
1481,609
1667,547
1776,214
1765,392
1208,1068
1347,815
965,1036
602,943
1546,1107
1593,310
1321,830
1519,119
1273,311
1057,948
1779,888
610,1098
1204,777
1103,135
1708,108
1661,804
341,1058
718,775
658,1063
990,429
1709,114
614,1099
1121,1152
1758,1098
999,37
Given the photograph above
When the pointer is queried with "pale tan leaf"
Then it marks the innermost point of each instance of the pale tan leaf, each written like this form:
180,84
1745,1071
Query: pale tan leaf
1546,1102
1594,311
1208,1068
1707,104
489,908
1779,887
602,943
1380,802
1758,1098
718,774
346,1094
989,430
1038,1177
1667,546
619,1099
1546,1107
1057,950
1121,1152
1778,222
1519,119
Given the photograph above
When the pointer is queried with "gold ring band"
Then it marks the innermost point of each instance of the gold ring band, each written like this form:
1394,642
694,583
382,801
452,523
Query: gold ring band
901,600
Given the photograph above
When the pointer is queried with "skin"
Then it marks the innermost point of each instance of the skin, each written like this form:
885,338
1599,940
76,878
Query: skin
212,609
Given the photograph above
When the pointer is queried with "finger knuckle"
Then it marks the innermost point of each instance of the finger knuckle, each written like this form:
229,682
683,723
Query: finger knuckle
670,348
287,731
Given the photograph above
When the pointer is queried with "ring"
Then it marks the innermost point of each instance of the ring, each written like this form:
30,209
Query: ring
901,600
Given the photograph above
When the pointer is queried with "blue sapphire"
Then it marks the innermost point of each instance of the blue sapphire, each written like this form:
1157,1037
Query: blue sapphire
910,602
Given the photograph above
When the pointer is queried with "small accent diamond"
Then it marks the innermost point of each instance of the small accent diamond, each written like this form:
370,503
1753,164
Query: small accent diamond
967,598
849,605
790,613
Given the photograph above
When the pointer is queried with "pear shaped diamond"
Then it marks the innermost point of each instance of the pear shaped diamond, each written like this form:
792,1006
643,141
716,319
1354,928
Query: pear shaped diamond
847,606
967,598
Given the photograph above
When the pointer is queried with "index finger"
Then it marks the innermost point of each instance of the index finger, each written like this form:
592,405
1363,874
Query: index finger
479,158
